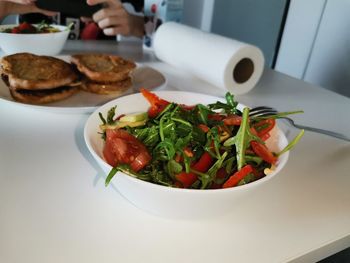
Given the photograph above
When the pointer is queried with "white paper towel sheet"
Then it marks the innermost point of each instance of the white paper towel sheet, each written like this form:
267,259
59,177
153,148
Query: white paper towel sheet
224,62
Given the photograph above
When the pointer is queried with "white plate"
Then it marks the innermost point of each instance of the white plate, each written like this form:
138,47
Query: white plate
85,102
155,198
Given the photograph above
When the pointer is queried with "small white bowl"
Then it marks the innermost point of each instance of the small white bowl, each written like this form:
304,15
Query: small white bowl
48,44
166,201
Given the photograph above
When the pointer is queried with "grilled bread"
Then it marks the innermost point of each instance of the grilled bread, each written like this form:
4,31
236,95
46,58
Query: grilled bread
104,74
115,88
102,68
38,79
43,96
29,71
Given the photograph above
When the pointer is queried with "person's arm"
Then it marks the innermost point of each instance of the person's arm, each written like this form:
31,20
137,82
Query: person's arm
113,19
20,7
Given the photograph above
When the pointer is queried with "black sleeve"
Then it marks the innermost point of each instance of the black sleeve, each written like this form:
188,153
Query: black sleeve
137,4
35,18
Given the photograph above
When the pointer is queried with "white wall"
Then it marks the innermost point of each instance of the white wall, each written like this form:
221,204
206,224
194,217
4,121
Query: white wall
329,63
299,35
198,13
316,44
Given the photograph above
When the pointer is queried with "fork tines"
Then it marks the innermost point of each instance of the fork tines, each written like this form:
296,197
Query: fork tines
262,111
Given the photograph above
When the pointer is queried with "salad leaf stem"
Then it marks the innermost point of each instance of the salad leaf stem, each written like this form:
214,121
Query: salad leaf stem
111,174
182,121
292,143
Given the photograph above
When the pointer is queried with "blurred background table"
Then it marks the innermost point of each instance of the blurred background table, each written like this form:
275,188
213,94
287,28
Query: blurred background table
54,206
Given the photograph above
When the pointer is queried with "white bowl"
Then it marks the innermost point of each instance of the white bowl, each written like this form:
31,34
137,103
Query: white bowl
49,44
167,201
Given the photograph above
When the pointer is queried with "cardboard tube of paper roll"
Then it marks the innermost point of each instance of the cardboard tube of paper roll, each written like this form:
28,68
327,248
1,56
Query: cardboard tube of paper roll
224,62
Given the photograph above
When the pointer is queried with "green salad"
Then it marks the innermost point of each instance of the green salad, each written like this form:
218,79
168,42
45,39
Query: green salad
190,146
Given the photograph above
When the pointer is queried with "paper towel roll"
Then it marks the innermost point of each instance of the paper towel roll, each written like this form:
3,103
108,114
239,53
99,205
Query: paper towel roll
224,62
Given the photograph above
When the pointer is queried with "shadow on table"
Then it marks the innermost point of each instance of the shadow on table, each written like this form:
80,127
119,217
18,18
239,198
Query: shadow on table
81,145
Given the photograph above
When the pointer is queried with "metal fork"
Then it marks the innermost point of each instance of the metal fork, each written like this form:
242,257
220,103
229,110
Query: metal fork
266,111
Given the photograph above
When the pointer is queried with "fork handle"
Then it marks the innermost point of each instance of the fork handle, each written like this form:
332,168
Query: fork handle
326,132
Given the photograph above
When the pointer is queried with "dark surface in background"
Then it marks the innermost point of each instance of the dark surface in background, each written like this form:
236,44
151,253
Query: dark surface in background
341,257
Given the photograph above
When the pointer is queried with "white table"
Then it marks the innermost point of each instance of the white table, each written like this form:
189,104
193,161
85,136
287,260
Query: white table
54,206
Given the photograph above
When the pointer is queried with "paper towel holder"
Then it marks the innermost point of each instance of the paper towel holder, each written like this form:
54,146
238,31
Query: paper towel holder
243,70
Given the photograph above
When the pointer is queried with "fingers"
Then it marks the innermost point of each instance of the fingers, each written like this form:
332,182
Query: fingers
23,2
113,20
44,12
117,30
109,3
29,8
86,19
108,12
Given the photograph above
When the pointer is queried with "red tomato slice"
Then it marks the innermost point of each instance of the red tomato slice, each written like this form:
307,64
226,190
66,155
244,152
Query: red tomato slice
123,147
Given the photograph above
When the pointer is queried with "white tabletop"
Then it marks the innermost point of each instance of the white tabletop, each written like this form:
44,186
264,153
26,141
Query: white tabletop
54,206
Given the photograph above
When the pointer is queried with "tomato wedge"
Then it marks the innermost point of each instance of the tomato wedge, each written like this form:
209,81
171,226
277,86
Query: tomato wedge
157,104
122,147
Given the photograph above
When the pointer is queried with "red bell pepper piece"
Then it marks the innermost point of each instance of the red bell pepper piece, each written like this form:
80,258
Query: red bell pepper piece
262,151
202,165
216,117
157,104
233,120
264,126
203,127
234,179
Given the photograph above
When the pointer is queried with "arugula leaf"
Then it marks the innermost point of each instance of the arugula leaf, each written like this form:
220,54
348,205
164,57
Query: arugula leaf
110,115
165,150
102,118
173,168
111,175
242,139
208,177
292,143
229,107
203,112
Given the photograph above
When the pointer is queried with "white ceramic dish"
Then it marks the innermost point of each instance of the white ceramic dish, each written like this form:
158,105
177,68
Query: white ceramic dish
85,102
166,201
41,44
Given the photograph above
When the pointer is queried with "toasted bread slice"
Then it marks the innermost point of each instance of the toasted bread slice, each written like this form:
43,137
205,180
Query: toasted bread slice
115,88
103,68
42,96
29,71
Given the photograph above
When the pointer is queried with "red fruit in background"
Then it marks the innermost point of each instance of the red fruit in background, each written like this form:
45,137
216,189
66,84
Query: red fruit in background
90,31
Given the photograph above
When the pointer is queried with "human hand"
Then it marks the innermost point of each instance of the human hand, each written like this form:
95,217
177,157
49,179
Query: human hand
23,2
113,19
21,7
